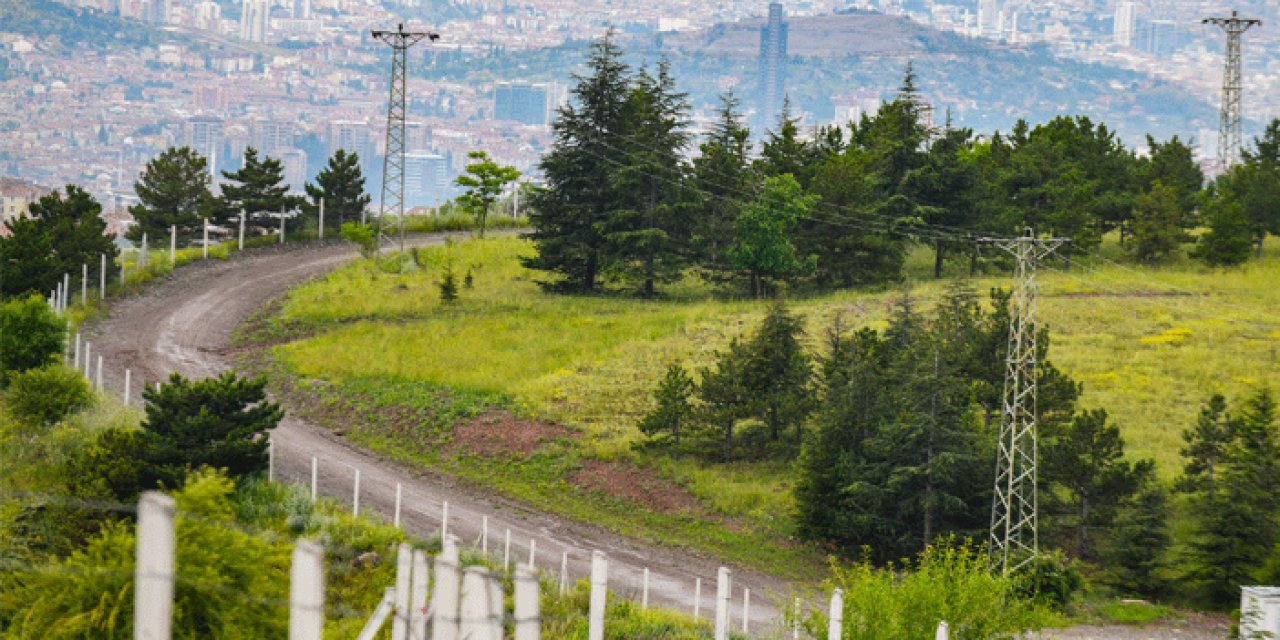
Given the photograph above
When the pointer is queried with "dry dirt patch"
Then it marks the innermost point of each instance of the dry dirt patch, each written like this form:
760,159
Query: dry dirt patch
629,482
498,433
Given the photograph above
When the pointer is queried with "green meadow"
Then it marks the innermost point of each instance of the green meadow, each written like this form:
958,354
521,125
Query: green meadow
1149,345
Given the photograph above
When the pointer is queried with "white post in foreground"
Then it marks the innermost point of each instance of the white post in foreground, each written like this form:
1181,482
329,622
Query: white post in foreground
76,361
484,536
66,290
599,589
242,229
533,554
142,256
322,218
444,520
154,571
173,246
281,225
527,605
84,284
835,618
399,496
97,380
306,592
644,589
795,622
564,572
497,605
746,609
404,578
102,276
506,553
205,242
128,375
697,598
315,466
355,495
724,587
944,631
88,366
418,597
475,605
444,597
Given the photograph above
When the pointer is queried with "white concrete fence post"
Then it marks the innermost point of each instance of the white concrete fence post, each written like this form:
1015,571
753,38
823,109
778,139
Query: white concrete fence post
142,256
444,520
379,617
271,459
724,588
88,366
242,230
75,363
173,246
533,554
404,580
155,567
835,617
795,621
528,600
944,631
281,224
418,597
697,598
66,290
444,597
102,276
84,284
399,497
306,592
205,241
315,468
746,610
644,589
322,218
497,605
475,610
599,592
97,380
506,552
484,536
564,572
128,375
355,494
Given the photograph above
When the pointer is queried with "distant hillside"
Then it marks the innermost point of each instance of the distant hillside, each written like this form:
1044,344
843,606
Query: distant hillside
831,36
75,26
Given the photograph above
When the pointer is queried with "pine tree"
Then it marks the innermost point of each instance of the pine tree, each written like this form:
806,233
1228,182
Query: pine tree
341,185
59,236
673,410
1206,448
216,422
777,372
1086,462
1227,242
258,189
1173,164
172,191
763,245
484,181
448,286
1157,232
646,236
579,195
1139,539
944,190
724,397
783,152
723,180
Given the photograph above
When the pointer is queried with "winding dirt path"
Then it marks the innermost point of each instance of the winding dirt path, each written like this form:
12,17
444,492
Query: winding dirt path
184,324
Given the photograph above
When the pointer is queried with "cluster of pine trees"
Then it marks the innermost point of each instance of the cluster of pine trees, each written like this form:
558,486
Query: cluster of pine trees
623,206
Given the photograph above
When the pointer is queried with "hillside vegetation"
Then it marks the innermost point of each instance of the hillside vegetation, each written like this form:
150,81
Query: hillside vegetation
1148,344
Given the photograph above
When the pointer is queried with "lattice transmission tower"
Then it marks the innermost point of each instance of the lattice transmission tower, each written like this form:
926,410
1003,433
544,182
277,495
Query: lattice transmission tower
1015,506
393,162
1229,120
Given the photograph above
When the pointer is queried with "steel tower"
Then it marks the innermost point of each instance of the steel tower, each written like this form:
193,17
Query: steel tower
1229,122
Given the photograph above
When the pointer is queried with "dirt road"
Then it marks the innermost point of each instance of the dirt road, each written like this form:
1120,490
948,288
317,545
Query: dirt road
184,325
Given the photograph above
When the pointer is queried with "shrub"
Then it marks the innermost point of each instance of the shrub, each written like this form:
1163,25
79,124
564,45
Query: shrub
1051,578
43,396
31,336
362,235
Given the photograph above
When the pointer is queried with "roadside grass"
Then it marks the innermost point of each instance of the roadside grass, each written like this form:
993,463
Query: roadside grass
1149,344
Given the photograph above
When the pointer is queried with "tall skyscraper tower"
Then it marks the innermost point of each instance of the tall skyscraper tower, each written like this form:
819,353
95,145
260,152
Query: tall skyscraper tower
253,20
989,18
1125,21
773,67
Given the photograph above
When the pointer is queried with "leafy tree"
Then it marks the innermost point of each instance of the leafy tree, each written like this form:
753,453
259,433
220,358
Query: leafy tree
341,186
217,422
43,396
647,235
58,237
763,245
1157,231
777,372
1086,462
723,180
108,467
31,336
674,410
1227,242
1139,539
578,171
484,182
258,189
173,190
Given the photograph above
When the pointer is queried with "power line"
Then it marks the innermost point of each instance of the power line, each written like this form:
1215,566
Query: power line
1229,120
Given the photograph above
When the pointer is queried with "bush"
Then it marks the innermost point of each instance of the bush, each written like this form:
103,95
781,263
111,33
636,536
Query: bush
31,336
1051,578
362,235
43,396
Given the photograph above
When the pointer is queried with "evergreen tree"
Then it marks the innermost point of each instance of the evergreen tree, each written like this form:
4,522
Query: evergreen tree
723,180
341,186
851,245
58,237
1255,184
1227,241
258,189
673,410
578,171
1086,463
783,152
1206,448
1173,164
448,286
1157,231
1139,539
777,372
763,244
724,396
216,422
647,235
172,191
944,190
484,182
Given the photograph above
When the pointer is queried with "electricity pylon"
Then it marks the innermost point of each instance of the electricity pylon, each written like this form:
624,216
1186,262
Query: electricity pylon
1014,509
393,162
1229,119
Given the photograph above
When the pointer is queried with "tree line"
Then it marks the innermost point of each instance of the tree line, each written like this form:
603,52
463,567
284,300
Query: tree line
623,207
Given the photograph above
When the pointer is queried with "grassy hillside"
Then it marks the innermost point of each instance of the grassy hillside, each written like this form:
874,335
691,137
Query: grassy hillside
1149,345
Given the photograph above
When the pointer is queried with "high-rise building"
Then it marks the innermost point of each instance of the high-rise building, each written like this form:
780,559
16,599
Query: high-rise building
351,136
204,134
522,102
425,179
772,76
302,9
208,14
272,137
989,18
1125,21
158,11
294,164
253,20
